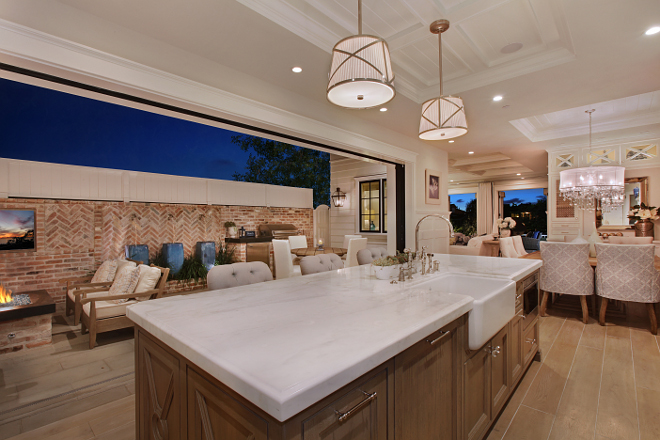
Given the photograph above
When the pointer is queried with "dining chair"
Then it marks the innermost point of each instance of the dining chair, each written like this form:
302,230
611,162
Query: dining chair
320,263
238,274
507,248
347,238
630,240
366,256
354,246
284,267
298,241
626,272
566,271
518,245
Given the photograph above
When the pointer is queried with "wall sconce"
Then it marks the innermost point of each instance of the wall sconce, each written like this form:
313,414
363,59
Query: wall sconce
338,198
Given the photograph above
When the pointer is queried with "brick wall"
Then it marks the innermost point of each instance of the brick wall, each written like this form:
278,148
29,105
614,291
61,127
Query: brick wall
74,237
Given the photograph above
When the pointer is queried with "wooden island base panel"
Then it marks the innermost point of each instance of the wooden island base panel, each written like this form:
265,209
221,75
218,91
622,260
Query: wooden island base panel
435,389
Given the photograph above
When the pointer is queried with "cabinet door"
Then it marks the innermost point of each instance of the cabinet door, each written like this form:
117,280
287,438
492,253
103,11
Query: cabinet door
158,394
362,413
476,395
516,349
530,342
500,383
426,386
215,415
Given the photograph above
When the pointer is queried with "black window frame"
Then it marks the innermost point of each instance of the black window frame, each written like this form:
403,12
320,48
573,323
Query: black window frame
382,214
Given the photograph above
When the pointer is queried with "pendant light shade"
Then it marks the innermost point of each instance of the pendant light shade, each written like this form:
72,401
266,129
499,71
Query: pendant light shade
361,71
442,117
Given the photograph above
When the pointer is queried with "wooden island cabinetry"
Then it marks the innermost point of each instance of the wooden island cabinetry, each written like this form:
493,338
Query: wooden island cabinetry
435,389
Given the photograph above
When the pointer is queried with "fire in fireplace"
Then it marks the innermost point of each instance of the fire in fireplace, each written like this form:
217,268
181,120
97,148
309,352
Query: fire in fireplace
9,300
5,295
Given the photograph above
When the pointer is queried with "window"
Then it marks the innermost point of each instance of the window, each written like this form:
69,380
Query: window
373,205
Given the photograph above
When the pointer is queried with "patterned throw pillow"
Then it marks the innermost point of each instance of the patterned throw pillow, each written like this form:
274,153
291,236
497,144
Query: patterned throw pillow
106,272
124,283
149,277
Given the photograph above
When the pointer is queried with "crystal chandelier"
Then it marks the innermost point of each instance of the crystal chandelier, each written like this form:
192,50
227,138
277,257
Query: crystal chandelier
442,117
584,187
361,72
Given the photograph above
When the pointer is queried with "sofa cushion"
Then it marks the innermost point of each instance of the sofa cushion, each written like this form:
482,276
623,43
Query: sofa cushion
123,263
106,272
108,309
149,277
125,283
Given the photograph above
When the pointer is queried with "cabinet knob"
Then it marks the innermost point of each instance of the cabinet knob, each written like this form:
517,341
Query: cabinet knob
531,341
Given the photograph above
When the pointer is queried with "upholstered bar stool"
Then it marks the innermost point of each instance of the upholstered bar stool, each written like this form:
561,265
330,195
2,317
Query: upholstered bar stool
566,270
626,272
238,274
507,248
366,256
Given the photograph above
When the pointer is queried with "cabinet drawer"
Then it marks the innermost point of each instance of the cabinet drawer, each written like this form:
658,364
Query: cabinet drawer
530,343
534,278
360,413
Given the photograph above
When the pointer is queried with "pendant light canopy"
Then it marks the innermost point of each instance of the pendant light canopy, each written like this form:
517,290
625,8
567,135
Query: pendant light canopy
442,117
584,187
361,71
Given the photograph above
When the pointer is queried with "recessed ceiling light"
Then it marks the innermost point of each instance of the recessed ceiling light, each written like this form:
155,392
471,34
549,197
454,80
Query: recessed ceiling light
297,69
652,31
470,152
451,142
383,109
522,178
451,180
497,98
518,174
511,48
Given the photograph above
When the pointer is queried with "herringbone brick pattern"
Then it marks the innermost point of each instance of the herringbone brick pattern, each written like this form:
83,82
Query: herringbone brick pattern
69,228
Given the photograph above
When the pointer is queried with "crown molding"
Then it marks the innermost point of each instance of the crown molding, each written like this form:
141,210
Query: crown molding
35,46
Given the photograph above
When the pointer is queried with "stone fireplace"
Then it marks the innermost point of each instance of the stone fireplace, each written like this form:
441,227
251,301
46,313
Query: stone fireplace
25,320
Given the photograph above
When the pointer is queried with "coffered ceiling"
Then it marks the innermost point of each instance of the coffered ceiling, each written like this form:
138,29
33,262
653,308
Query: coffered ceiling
474,48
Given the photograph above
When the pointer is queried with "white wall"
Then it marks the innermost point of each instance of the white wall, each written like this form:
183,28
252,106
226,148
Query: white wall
21,178
344,220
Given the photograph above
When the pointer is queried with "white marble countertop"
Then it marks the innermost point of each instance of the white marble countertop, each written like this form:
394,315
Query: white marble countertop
286,344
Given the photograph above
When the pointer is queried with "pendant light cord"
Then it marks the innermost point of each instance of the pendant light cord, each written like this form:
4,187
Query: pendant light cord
590,112
440,59
359,17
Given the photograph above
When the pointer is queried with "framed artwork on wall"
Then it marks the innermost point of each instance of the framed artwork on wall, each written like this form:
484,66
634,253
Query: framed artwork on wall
17,230
433,186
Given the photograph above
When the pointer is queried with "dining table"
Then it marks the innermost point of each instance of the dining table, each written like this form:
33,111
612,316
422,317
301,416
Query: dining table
309,251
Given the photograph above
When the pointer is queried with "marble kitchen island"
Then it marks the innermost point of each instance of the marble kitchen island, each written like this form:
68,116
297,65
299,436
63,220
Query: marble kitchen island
321,356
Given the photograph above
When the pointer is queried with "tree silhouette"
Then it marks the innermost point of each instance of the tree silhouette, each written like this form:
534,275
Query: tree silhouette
277,163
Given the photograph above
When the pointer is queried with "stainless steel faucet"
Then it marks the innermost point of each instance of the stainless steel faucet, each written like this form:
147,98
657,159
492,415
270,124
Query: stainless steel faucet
451,228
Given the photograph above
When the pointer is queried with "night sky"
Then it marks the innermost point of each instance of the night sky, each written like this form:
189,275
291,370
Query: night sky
517,196
50,126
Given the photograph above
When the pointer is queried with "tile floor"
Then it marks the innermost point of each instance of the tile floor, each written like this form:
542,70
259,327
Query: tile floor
594,383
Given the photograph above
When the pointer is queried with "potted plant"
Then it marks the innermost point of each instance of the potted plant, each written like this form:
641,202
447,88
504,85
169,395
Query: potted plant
191,269
384,266
225,255
232,230
643,215
505,226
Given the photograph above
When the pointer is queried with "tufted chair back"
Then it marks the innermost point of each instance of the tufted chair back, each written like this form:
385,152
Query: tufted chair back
566,268
626,272
366,256
320,263
238,274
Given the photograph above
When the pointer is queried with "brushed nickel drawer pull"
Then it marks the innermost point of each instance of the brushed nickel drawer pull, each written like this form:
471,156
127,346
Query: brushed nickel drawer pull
438,339
345,416
531,341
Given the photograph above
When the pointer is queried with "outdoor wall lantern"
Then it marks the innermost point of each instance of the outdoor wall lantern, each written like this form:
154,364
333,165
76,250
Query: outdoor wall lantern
338,198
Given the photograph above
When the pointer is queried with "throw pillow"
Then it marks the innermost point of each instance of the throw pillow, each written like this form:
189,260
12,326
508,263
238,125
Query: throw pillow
149,277
124,283
106,272
122,263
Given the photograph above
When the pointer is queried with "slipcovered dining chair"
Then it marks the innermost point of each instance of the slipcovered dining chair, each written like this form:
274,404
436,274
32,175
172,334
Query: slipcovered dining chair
566,271
630,240
626,272
348,238
298,241
238,274
366,256
284,267
354,246
320,263
507,248
518,245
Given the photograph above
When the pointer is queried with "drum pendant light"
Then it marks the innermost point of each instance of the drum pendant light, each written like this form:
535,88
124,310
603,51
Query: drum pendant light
361,72
443,117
